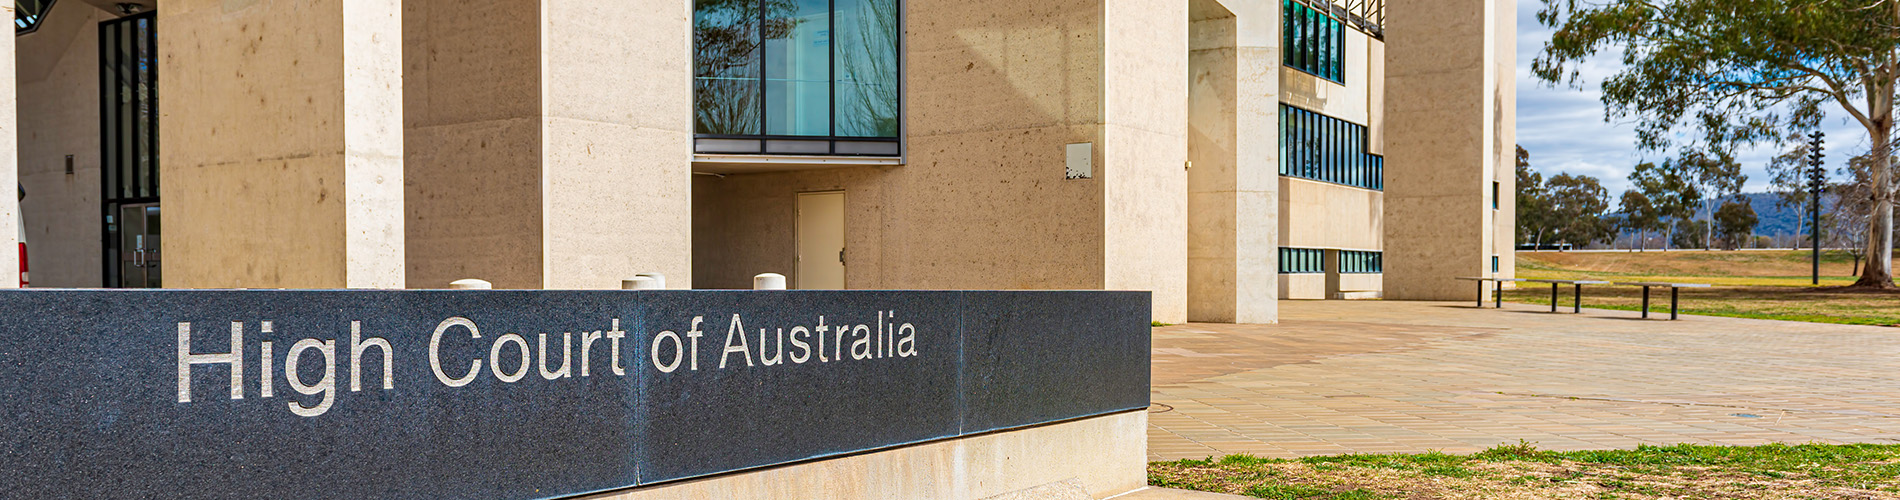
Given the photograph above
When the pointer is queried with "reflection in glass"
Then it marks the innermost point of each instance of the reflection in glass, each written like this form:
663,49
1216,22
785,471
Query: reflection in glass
726,37
798,69
866,52
809,68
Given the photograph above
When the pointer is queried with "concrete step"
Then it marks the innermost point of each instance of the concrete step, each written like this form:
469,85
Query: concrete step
1358,295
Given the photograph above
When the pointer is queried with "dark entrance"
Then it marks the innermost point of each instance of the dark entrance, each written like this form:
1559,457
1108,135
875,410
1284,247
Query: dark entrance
128,138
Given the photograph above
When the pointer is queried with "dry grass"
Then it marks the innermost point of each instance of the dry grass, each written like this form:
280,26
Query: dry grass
1749,284
1675,472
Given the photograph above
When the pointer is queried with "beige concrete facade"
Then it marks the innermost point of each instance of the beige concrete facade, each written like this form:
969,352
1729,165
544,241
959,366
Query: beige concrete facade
1450,135
9,169
58,77
1102,456
533,163
549,144
1232,196
283,143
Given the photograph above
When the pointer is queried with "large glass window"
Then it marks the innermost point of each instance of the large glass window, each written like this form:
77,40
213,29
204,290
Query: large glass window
796,77
1302,260
1313,41
1359,262
1323,148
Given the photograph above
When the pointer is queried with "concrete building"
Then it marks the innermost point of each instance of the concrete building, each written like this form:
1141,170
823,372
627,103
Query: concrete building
1222,153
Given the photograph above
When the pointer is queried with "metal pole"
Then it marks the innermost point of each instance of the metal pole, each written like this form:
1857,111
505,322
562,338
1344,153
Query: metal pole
1645,302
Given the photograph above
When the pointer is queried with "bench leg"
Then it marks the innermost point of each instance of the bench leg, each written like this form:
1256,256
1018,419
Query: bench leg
1645,302
1576,300
1672,303
1497,294
1480,294
1553,297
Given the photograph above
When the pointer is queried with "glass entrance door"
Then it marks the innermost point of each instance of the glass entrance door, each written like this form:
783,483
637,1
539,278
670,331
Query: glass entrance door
128,138
139,257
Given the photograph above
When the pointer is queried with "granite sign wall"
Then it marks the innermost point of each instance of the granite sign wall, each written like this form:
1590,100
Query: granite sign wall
526,394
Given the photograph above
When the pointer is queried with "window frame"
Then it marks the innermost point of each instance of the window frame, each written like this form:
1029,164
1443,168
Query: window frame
777,145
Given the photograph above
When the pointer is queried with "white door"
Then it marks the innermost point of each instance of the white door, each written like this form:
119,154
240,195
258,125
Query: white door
820,241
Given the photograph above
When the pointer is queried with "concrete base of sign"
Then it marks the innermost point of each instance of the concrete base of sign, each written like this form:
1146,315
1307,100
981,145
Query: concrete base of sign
1106,456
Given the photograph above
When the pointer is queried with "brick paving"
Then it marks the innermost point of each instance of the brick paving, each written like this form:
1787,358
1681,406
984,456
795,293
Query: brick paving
1406,377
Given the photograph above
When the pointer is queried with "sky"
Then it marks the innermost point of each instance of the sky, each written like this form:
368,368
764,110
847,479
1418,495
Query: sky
1564,131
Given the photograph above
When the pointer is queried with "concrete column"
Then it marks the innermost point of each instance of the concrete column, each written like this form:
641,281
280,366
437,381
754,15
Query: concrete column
283,154
9,166
549,141
1144,152
1448,134
1233,187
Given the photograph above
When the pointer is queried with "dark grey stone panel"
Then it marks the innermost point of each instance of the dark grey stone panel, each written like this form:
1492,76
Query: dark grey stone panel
1033,357
92,385
889,379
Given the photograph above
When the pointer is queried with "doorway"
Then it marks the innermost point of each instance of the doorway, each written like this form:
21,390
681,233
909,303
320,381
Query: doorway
128,149
821,252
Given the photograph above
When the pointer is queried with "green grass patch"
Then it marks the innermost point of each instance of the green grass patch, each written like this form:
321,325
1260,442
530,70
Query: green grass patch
1521,470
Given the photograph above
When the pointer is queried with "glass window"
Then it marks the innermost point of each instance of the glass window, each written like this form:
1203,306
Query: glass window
866,33
798,67
726,93
797,76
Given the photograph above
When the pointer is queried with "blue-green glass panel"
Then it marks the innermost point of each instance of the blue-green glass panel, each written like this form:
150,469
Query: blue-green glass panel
865,51
798,67
726,93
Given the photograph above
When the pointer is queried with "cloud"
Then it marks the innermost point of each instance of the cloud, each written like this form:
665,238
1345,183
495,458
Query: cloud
1564,129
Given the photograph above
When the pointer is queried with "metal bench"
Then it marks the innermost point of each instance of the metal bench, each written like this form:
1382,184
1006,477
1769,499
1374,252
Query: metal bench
1497,288
1576,304
1673,288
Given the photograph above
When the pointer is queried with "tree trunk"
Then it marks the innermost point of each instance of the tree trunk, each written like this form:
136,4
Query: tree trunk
1879,270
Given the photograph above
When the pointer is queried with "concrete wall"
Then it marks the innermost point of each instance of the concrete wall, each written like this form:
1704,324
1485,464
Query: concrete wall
1104,456
1449,119
282,129
1233,115
58,78
994,91
472,142
549,142
9,172
1145,152
1325,215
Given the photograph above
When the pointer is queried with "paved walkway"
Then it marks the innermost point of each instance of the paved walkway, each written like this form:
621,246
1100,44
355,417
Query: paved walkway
1405,377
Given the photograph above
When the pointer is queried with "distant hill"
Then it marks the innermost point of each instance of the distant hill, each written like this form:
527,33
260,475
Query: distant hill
1775,219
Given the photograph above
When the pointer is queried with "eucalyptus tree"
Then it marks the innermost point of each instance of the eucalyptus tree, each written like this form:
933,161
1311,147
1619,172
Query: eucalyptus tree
1577,203
1743,72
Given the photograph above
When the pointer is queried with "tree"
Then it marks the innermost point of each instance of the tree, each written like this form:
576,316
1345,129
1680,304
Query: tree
1693,233
1671,192
1716,175
1577,204
1735,223
1744,72
1638,214
1533,202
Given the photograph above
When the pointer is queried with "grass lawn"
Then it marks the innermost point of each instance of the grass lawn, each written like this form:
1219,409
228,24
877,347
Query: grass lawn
1522,471
1748,284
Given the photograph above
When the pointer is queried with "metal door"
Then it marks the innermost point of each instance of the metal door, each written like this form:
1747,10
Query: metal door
139,256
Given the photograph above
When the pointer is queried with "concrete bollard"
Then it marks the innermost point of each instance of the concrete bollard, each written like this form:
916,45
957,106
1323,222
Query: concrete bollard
659,280
470,284
768,281
640,283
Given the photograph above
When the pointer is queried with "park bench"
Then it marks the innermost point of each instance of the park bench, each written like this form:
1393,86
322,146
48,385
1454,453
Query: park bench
1497,288
1576,305
1673,288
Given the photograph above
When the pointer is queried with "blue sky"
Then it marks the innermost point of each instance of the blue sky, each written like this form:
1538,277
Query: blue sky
1564,131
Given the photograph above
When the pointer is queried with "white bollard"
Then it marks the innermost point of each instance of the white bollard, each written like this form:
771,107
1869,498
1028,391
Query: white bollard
768,281
659,280
640,283
470,284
